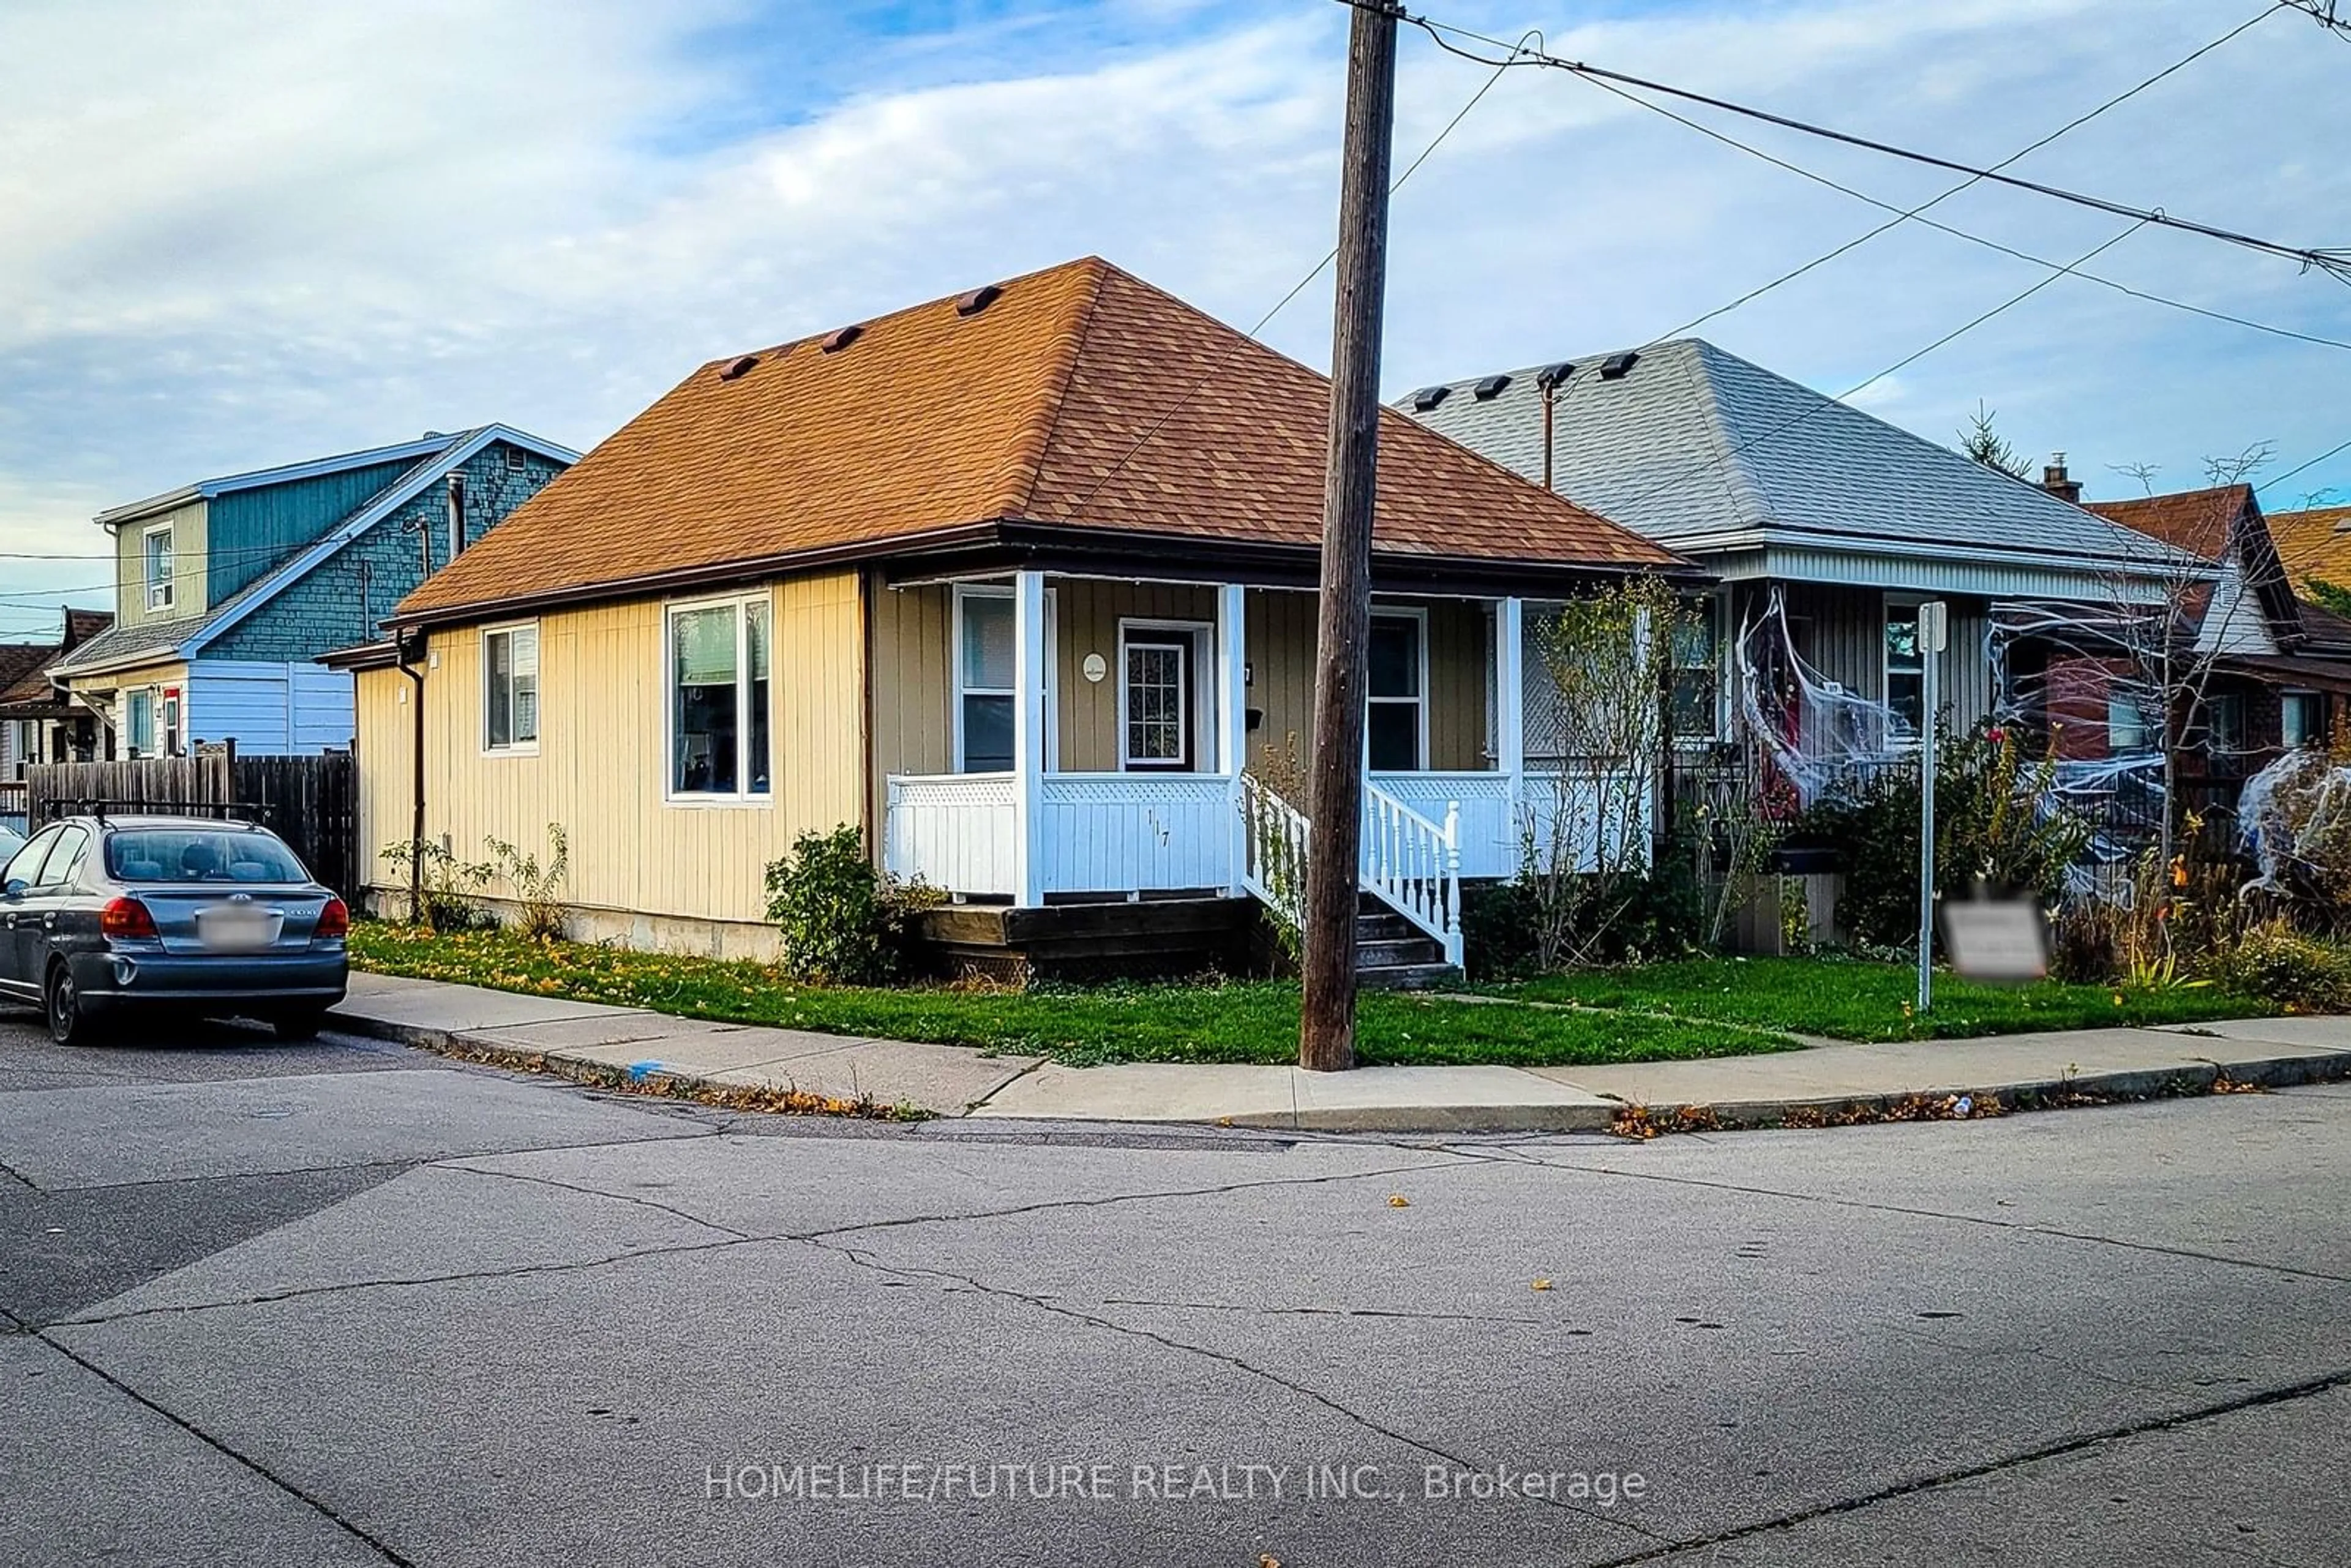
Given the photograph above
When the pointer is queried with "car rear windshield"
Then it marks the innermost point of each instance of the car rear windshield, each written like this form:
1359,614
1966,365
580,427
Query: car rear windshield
198,855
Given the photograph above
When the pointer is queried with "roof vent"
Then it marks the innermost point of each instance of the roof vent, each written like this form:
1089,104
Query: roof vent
1427,398
1553,377
1492,388
978,300
1613,368
733,367
840,337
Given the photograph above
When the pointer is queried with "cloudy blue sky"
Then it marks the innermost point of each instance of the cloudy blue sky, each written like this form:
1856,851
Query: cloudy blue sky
237,233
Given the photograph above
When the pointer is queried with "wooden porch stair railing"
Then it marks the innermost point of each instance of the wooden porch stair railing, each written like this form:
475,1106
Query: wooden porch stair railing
1408,928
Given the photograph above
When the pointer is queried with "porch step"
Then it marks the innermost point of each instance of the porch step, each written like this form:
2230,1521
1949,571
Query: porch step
1394,950
1407,976
1386,925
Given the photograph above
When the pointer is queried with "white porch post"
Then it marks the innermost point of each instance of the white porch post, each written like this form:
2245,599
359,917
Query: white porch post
1232,719
1029,655
1511,699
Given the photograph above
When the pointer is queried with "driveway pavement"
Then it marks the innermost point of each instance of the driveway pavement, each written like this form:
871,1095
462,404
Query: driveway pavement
352,1304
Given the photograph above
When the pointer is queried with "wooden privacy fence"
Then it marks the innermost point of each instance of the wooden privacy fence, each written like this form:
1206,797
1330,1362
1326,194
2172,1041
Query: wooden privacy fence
311,802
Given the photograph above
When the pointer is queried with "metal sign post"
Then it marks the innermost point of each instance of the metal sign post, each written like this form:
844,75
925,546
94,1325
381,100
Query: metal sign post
1933,632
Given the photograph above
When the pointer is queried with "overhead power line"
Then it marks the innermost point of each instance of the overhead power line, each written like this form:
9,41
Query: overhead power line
2334,263
1911,214
2304,467
2325,13
1283,303
1839,401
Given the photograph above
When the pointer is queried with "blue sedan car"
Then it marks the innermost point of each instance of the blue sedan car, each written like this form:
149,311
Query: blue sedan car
101,915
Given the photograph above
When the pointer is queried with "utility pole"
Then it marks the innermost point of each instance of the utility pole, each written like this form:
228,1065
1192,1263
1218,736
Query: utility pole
1326,1033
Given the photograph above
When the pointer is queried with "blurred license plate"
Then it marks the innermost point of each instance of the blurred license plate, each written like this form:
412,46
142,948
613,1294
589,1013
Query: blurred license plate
234,929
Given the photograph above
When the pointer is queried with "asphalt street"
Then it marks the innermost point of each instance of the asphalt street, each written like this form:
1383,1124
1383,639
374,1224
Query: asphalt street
348,1304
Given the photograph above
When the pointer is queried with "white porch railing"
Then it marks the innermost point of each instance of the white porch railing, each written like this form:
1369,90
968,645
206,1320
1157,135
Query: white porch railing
1488,839
1273,849
1590,805
1413,865
1096,832
954,830
1136,832
1125,832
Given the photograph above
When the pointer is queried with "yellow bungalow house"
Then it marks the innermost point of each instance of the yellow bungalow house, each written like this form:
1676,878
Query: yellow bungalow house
1018,582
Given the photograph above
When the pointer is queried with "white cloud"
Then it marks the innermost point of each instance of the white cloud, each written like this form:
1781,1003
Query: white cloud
240,235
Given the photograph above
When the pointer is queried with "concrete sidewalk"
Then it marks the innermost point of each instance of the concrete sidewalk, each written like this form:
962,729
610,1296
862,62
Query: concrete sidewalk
953,1081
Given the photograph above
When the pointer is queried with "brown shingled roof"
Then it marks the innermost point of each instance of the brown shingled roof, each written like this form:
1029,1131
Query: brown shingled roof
2194,521
1080,396
2315,543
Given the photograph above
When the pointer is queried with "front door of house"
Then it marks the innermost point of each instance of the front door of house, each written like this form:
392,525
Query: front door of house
1159,719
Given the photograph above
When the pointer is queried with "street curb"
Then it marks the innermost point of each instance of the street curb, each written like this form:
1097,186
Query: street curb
2122,1086
1527,1118
482,1047
1940,1102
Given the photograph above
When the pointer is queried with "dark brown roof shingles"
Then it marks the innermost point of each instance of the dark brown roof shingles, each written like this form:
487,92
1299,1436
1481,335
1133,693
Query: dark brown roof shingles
1080,396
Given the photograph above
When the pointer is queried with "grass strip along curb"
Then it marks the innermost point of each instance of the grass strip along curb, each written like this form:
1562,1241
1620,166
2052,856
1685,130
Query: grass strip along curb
1207,1021
1871,1001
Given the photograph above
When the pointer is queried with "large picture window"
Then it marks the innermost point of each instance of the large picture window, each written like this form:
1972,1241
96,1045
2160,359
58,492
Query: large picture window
984,664
510,688
1395,729
718,686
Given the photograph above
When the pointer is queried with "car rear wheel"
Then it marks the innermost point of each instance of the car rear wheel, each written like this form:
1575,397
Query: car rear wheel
69,1021
302,1025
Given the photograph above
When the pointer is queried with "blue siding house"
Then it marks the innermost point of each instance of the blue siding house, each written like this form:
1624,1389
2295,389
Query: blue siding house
227,591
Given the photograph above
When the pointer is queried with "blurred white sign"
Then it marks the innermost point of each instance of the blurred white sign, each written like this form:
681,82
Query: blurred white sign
1996,940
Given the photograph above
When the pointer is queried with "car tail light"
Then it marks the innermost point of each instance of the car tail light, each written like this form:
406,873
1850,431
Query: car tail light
334,920
126,919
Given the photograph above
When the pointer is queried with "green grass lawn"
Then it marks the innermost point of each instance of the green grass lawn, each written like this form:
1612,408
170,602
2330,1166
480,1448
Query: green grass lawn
1853,999
1234,1021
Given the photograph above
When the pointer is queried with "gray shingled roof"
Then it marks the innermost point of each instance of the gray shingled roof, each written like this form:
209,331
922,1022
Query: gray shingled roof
1703,451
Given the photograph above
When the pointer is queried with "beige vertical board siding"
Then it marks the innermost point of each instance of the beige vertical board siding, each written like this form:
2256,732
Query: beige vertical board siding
387,745
1282,626
1087,613
1280,643
600,766
1459,672
819,671
913,694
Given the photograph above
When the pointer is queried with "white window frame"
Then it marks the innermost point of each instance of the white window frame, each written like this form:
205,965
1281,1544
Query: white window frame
490,747
2141,732
2214,704
168,703
956,690
964,593
1889,603
1418,613
671,794
161,594
2294,695
1716,607
130,701
1199,694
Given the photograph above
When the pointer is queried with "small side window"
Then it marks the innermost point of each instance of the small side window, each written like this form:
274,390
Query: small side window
63,857
26,864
